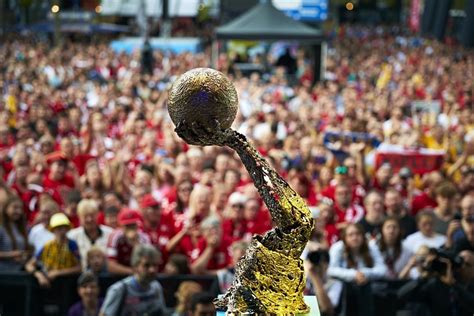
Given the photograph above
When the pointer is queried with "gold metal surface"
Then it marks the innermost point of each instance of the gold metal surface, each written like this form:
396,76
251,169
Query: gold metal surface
203,95
269,279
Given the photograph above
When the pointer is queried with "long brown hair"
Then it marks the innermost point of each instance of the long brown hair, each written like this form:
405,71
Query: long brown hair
363,251
20,223
384,247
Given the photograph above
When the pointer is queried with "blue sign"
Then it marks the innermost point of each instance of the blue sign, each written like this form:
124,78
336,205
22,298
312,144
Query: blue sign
304,10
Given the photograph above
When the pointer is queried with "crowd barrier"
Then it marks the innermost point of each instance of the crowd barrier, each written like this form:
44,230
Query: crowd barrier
20,293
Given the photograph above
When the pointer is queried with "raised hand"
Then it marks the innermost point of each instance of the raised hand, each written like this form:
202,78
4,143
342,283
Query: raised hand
195,133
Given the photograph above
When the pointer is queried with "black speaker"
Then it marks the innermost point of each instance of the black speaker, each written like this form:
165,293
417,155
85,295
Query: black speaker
467,33
441,18
428,17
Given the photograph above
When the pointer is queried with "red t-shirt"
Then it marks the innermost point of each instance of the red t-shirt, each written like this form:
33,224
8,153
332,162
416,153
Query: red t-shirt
120,250
352,214
80,162
358,193
161,235
189,248
332,233
260,225
234,231
221,257
421,201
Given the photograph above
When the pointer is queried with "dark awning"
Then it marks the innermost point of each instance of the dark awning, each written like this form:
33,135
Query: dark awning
265,22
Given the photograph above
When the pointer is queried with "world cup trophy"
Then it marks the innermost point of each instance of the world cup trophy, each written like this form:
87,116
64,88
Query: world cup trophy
269,278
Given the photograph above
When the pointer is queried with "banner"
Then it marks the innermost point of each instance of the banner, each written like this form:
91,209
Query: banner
414,21
420,161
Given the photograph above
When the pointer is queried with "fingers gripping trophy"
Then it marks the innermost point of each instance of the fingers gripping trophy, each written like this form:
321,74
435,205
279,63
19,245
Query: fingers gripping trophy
269,278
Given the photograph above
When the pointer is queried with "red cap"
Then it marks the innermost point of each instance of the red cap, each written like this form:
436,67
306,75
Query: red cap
149,201
128,216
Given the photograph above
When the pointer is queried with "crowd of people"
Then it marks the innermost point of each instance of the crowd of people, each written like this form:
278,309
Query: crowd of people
94,179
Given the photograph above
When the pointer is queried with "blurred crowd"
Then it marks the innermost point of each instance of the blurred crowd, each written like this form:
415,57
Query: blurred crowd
91,170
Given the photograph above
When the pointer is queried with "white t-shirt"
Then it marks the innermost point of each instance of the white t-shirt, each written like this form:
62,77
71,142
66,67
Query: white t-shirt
84,243
401,261
414,241
39,235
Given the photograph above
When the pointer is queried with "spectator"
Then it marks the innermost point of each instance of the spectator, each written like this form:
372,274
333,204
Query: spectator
445,195
234,225
213,248
426,234
389,243
437,285
97,261
88,290
183,296
257,220
374,216
394,208
110,217
140,293
58,257
39,234
177,264
73,198
323,223
122,241
381,181
202,305
346,211
226,276
414,267
157,224
328,291
14,248
353,260
465,236
426,199
199,206
89,234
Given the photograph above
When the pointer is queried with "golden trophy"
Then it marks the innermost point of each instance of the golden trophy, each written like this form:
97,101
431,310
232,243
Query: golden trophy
269,278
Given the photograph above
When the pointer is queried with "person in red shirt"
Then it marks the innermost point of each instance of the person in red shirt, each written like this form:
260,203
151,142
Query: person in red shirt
426,199
159,225
342,175
381,180
234,225
122,241
257,220
345,210
58,179
214,248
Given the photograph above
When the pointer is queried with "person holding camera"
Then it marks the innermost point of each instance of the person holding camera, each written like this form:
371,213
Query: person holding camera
327,290
461,229
445,286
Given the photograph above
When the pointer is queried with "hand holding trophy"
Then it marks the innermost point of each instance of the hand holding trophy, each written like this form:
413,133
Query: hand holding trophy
269,279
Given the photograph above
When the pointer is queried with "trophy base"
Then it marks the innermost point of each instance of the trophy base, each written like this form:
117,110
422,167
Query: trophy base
309,300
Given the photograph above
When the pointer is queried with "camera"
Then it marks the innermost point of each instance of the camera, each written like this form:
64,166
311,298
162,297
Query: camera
318,256
437,265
